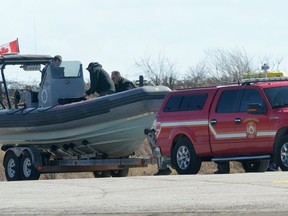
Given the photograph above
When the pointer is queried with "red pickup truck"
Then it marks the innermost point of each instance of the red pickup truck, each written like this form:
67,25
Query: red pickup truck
246,122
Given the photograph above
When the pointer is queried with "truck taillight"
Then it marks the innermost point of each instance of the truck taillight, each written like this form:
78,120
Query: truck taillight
157,127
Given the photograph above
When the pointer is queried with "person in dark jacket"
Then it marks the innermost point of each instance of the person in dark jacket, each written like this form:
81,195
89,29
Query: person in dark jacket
121,84
100,80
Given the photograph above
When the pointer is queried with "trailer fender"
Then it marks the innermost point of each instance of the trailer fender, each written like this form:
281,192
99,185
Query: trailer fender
35,155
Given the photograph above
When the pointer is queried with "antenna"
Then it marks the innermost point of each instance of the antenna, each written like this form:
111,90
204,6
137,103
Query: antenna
35,46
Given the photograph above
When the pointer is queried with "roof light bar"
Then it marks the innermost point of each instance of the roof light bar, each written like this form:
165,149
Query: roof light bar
254,80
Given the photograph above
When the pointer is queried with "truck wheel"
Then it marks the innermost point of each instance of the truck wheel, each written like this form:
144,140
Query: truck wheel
120,173
184,158
255,165
28,171
12,167
281,153
102,174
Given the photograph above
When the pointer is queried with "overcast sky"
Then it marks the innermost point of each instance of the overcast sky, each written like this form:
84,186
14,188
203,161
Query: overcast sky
116,33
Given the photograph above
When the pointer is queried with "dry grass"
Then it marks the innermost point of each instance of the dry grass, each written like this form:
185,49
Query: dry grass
144,151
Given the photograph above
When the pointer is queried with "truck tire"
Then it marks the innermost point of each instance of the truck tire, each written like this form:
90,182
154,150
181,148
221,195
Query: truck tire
27,168
255,165
184,158
102,174
120,173
281,153
12,166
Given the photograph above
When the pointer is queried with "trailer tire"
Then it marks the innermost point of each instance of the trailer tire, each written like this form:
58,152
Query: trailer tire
184,158
27,168
12,166
255,165
120,173
102,174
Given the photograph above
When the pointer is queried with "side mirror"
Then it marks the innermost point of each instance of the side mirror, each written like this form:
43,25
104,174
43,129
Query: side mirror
256,109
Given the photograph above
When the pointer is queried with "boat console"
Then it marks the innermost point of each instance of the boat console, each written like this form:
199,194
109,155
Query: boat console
62,84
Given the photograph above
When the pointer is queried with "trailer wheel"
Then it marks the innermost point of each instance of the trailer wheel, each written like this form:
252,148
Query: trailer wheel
255,165
102,174
120,173
184,158
28,171
12,167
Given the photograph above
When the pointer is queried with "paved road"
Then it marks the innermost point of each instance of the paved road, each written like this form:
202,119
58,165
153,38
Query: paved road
232,194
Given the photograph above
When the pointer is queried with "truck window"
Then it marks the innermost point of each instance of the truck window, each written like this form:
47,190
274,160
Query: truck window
193,102
277,96
251,96
173,103
185,102
228,101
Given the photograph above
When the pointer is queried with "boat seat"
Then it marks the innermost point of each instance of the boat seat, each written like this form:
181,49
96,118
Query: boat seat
34,97
28,98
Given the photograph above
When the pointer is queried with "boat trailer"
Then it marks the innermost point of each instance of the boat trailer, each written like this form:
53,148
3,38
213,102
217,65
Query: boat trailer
33,163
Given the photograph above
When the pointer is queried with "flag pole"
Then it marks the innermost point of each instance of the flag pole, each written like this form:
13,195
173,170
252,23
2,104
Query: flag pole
18,47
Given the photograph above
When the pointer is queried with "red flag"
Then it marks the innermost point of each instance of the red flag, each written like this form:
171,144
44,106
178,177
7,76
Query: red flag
12,47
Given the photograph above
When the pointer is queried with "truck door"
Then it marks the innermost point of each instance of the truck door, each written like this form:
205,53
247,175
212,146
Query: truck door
256,128
233,131
222,121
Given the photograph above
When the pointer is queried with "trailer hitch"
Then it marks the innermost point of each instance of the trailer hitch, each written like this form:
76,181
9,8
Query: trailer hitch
163,166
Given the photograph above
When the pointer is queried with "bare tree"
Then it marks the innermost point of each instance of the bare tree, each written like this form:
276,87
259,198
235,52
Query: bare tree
219,67
228,65
160,70
196,75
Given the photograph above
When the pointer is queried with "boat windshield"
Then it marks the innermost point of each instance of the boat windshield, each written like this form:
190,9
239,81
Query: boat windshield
67,69
277,96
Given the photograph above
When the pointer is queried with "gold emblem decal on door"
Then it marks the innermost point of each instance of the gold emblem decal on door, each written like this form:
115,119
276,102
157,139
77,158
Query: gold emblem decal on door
251,130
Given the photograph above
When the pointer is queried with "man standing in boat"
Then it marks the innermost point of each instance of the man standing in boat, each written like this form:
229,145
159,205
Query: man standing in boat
121,84
56,62
100,80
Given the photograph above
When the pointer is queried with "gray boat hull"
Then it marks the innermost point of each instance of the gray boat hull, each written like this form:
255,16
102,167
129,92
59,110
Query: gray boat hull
111,126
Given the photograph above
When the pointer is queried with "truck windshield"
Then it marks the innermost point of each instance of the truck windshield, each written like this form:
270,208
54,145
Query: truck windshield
277,96
67,69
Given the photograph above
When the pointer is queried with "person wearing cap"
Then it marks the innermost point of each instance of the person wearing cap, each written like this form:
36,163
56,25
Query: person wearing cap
121,84
55,62
100,81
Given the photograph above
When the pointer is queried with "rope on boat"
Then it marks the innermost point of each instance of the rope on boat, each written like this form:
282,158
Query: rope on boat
27,111
17,110
47,108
